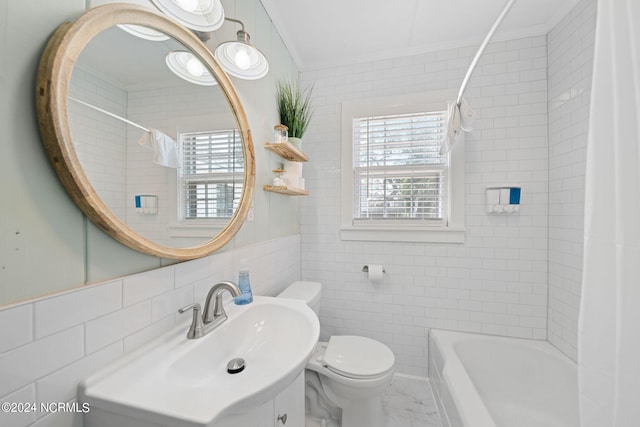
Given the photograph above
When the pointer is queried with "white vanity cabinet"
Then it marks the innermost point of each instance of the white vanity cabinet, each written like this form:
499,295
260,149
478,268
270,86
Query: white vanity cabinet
287,409
290,402
262,416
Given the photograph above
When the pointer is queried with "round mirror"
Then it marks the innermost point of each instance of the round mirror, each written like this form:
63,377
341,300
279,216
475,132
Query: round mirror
146,133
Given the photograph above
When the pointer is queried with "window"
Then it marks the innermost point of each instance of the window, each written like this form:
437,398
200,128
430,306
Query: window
212,174
399,174
396,186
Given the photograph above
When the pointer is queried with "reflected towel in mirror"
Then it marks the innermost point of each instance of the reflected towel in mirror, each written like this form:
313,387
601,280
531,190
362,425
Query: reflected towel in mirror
165,149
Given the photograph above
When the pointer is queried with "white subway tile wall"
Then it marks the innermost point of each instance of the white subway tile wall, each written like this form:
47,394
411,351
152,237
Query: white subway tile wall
48,345
59,313
517,276
496,282
21,331
571,46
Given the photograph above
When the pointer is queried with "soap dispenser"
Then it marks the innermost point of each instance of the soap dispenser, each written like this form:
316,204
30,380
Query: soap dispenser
244,284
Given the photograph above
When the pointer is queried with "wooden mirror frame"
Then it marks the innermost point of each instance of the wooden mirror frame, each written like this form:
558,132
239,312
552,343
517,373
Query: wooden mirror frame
53,80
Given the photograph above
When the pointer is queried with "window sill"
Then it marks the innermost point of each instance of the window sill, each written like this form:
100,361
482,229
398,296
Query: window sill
403,234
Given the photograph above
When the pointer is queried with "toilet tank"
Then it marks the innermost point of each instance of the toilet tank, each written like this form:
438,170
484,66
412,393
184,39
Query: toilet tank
309,292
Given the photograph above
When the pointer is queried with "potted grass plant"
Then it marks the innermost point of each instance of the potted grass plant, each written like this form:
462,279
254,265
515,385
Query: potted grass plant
295,109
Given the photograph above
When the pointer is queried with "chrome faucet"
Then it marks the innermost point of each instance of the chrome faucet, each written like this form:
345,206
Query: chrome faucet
214,314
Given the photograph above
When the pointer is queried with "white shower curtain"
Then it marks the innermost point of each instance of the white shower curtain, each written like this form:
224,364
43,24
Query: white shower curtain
609,327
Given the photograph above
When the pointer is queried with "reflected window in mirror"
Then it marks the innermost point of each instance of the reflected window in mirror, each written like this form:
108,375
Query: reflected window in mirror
212,173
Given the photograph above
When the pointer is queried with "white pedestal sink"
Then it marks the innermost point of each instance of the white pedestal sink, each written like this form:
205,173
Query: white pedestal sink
184,382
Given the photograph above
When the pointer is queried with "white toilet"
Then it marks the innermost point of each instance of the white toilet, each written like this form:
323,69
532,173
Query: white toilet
353,371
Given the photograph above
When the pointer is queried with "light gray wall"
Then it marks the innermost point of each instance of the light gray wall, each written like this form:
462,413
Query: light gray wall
42,232
46,243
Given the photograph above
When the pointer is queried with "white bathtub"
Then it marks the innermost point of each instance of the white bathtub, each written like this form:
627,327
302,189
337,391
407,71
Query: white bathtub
488,381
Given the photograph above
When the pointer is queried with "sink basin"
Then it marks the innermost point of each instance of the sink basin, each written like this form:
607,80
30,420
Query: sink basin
181,382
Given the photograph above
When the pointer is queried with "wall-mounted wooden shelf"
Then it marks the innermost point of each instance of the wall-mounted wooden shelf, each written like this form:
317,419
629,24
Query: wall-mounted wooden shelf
287,151
286,190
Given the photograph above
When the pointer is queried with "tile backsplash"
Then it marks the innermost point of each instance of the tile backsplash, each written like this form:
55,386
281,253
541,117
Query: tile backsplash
50,344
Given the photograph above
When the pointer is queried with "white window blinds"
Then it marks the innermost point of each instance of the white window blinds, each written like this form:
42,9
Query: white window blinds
212,173
398,171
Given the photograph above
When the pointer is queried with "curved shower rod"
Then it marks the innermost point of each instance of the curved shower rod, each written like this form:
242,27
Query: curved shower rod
484,44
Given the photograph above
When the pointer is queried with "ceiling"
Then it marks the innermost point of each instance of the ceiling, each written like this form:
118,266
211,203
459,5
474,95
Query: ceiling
337,32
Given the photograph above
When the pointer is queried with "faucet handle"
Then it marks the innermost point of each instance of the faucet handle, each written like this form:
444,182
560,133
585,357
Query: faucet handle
196,330
196,307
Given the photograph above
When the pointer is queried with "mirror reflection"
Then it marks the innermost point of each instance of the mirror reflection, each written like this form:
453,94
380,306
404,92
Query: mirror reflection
163,152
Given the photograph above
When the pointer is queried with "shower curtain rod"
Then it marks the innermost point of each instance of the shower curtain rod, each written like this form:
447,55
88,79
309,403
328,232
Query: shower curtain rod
115,116
484,44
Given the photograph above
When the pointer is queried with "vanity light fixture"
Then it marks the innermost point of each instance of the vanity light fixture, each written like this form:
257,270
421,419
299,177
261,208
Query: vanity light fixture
199,15
186,66
240,58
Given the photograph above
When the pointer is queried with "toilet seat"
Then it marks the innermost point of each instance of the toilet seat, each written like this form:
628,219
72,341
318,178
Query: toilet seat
357,357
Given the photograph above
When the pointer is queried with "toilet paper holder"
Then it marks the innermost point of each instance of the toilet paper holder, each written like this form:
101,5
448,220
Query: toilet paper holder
365,269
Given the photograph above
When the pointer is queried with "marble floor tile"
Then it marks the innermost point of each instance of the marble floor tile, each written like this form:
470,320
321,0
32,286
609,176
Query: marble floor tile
409,402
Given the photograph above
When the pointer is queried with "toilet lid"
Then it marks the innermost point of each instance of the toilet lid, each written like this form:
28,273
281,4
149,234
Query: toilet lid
358,357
